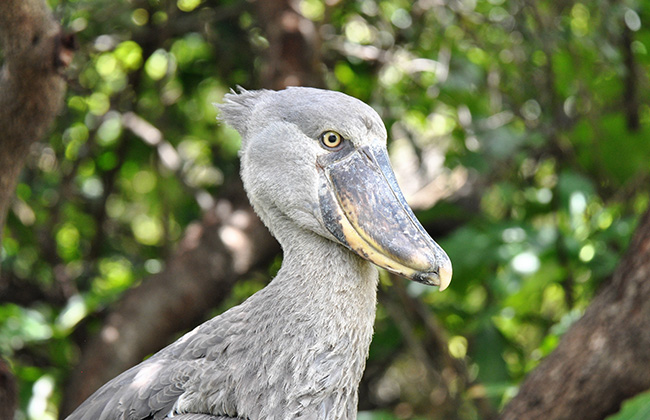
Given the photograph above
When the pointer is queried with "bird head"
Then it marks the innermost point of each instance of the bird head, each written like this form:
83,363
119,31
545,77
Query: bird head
318,159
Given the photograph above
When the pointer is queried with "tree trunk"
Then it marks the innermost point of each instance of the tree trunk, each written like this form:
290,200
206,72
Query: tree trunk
604,358
31,88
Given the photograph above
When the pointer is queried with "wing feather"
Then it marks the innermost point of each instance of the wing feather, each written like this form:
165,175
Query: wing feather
151,389
146,391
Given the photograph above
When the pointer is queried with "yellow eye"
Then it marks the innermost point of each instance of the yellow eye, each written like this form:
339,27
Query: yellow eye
331,139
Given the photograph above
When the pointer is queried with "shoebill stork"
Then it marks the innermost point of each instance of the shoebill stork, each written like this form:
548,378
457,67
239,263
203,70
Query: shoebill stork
315,167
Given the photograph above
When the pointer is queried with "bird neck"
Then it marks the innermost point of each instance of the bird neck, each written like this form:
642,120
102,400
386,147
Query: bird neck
324,301
298,347
321,272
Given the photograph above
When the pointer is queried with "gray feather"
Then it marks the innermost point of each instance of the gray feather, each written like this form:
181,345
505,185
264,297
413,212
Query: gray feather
238,108
296,349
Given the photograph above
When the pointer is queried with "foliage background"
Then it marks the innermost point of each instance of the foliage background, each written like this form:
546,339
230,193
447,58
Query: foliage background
519,131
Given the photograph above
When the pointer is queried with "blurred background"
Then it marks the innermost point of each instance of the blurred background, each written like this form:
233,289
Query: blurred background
519,132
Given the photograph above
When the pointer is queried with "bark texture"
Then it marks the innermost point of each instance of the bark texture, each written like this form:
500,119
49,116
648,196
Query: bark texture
31,87
215,253
604,358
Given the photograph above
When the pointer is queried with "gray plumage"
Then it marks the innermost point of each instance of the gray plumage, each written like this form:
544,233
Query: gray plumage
297,348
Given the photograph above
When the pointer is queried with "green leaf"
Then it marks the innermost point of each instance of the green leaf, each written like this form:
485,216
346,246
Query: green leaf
636,408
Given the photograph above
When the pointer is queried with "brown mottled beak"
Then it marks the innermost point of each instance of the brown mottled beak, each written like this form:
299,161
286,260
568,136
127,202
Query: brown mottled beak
365,210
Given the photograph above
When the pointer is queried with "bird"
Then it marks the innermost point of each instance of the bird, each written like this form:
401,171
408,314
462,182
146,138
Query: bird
316,170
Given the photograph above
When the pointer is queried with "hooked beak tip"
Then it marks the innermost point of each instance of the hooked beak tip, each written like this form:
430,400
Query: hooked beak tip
440,277
444,274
